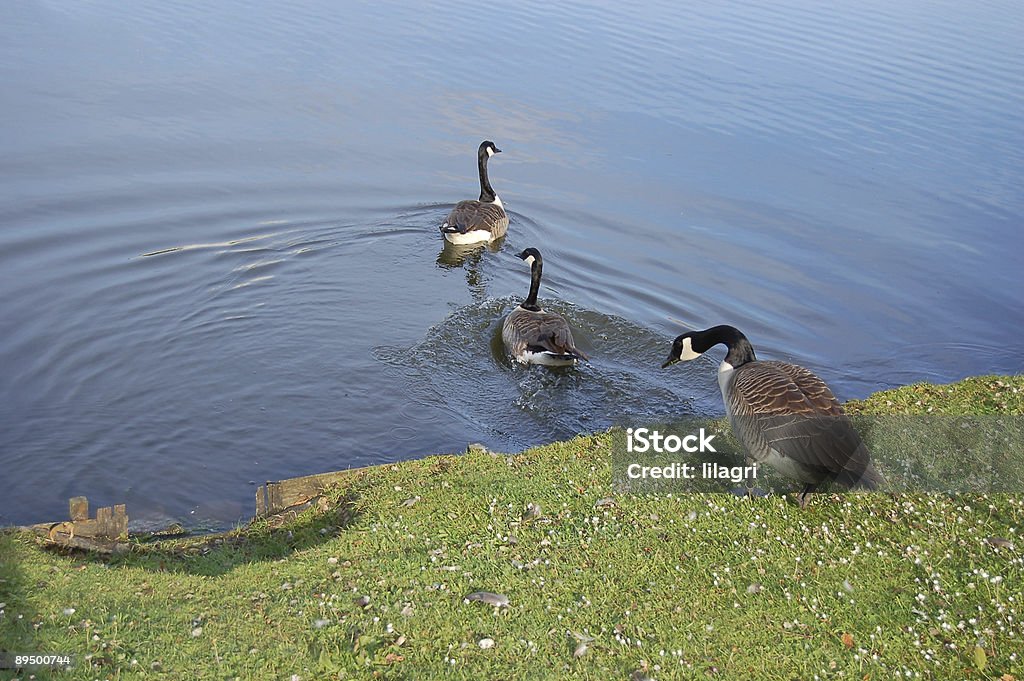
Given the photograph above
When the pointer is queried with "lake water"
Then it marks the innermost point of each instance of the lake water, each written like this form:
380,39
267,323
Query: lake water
219,257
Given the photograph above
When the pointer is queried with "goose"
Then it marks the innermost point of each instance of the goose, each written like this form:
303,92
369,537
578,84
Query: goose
534,336
783,414
482,220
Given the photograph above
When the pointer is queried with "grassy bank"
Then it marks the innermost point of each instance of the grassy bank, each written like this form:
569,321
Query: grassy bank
692,586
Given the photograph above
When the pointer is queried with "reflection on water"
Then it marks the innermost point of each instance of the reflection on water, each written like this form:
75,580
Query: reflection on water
469,258
219,254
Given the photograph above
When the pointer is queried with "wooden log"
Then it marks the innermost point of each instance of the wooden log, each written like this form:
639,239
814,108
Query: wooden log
102,533
98,545
283,495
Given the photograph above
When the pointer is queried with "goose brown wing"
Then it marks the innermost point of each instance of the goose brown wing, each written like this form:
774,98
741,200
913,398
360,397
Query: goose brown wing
554,335
817,393
788,409
541,331
512,331
472,215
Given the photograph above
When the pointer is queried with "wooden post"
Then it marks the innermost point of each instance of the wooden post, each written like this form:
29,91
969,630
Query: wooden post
120,521
79,508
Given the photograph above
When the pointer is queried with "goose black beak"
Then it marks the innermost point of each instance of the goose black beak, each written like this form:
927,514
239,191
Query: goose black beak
669,362
497,150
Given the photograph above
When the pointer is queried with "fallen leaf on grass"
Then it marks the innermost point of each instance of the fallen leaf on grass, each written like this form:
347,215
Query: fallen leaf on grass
979,656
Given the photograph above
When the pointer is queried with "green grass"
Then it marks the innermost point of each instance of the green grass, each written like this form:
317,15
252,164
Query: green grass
691,586
979,395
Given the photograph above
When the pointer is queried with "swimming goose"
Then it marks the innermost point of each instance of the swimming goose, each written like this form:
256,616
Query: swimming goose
473,222
783,414
534,336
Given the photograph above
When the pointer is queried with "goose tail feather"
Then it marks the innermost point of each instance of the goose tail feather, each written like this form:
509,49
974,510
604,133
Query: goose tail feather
871,479
568,356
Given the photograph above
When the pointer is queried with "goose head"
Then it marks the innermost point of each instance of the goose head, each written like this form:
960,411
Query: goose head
693,344
683,349
531,256
487,149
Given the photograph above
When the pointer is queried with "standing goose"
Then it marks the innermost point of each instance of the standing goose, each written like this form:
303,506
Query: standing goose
534,336
783,414
473,222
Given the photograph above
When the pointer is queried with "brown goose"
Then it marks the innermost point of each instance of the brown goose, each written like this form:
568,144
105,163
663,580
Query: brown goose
534,336
473,222
783,414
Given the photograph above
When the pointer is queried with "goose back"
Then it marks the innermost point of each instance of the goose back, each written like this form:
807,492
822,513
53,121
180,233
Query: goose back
536,336
472,221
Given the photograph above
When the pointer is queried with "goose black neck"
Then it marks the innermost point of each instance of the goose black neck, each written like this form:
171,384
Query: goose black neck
487,194
535,271
740,349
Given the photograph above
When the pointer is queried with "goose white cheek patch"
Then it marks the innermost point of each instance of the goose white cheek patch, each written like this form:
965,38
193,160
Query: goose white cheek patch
529,260
687,352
